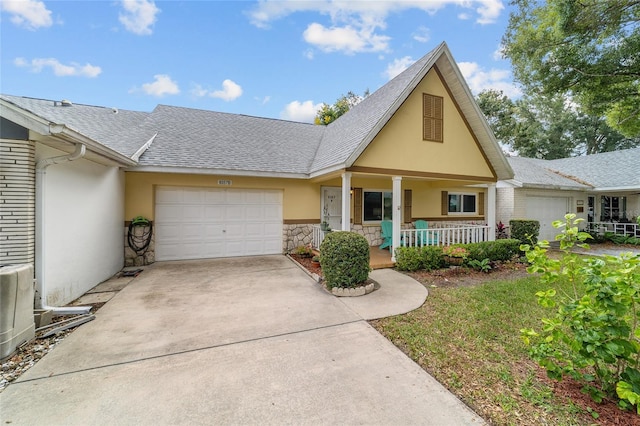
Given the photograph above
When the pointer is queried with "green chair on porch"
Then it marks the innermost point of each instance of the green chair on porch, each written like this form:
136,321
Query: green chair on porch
422,236
387,234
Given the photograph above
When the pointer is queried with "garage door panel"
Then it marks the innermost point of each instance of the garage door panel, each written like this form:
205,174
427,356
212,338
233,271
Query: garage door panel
273,213
546,210
193,223
193,196
169,195
169,232
235,213
214,197
214,213
167,213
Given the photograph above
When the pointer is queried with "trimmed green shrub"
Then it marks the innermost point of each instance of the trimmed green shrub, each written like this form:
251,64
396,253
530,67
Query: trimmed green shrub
409,259
525,230
432,257
498,250
416,258
344,258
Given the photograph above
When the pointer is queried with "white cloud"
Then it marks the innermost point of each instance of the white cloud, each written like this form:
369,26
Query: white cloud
498,79
59,69
161,86
367,13
303,112
422,35
30,14
347,39
139,16
397,66
356,26
464,16
230,91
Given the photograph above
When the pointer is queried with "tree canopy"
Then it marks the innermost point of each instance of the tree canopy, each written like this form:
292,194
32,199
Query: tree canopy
586,49
549,127
328,113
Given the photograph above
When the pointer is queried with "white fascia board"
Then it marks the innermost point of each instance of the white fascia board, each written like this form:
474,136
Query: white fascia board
220,172
24,118
555,187
64,132
327,170
617,188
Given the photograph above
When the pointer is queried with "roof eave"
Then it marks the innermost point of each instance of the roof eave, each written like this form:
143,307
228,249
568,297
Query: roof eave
213,171
41,125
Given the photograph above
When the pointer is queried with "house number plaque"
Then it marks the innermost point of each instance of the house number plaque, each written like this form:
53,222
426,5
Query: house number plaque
224,182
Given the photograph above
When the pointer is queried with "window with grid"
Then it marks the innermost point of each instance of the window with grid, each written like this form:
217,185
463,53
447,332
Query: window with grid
432,114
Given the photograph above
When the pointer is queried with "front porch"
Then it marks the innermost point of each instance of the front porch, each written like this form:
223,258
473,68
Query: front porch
628,229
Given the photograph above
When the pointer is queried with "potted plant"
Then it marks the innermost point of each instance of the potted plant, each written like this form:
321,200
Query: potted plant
455,255
315,260
324,225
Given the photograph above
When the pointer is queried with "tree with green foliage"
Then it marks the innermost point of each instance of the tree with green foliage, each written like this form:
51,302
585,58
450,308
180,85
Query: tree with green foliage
594,336
587,50
549,127
329,113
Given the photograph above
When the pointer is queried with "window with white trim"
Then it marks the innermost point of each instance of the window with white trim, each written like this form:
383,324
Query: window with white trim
463,203
377,205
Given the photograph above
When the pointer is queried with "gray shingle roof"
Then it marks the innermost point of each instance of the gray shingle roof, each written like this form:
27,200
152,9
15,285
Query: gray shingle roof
535,173
608,170
192,138
118,131
614,169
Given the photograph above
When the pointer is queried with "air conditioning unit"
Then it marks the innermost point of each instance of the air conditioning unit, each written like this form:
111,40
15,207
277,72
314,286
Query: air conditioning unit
16,308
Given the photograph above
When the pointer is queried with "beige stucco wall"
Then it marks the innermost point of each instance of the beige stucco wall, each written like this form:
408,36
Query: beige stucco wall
301,198
400,146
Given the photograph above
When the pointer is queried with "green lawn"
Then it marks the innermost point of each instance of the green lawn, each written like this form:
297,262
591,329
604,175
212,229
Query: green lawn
468,338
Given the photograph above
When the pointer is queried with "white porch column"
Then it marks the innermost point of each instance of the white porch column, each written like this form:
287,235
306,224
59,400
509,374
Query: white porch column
346,201
397,214
491,211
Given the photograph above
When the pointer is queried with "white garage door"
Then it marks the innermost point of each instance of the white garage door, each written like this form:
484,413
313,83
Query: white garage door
546,210
199,223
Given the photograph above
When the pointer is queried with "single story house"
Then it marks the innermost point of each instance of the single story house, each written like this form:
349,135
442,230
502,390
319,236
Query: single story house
216,184
603,189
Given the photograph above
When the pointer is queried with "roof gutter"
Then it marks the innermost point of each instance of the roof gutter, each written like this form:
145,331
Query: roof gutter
41,287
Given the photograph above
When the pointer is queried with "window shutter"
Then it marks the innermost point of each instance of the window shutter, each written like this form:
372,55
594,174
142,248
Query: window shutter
481,203
445,203
357,206
407,205
432,112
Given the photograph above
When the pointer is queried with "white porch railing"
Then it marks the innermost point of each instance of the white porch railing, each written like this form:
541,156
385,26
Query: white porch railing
318,236
445,234
628,229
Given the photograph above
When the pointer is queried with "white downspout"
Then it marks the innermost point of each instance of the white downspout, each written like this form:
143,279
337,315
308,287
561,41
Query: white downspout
41,289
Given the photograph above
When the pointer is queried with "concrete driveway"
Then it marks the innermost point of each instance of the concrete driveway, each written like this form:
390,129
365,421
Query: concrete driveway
228,341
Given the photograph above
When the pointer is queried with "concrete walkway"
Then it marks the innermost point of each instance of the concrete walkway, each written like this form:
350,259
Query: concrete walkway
233,341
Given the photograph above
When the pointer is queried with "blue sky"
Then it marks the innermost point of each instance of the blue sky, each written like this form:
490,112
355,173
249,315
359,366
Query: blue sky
277,59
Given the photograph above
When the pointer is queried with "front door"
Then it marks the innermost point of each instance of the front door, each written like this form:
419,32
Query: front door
332,207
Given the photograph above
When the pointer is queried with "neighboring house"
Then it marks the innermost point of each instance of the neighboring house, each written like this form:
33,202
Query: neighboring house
218,185
603,189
